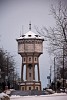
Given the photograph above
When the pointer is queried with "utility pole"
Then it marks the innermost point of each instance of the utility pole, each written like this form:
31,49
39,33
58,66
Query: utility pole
54,75
50,74
63,67
54,69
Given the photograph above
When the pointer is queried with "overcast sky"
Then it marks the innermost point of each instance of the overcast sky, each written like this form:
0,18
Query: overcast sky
17,13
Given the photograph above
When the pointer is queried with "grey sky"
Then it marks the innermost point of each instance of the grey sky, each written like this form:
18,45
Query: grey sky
17,13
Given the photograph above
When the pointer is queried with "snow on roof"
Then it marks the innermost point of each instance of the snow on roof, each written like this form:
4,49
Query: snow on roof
30,35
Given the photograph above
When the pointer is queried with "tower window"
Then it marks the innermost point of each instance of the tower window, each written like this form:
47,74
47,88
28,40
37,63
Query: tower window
29,59
30,65
24,59
35,59
29,74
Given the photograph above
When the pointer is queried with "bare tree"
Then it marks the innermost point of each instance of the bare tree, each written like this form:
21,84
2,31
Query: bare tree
57,36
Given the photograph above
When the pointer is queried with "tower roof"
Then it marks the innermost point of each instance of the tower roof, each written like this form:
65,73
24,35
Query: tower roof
30,35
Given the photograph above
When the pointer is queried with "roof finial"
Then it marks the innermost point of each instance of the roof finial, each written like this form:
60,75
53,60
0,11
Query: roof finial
20,33
30,25
22,30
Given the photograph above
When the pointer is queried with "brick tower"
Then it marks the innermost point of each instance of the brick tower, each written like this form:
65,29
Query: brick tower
30,47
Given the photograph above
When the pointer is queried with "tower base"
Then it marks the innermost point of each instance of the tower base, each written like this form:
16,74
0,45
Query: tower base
30,85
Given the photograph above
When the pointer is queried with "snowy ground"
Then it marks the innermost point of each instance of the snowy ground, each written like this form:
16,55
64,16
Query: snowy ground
56,96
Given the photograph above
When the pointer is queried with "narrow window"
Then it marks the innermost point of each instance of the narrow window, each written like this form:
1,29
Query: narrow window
29,59
29,66
24,59
29,74
35,59
29,88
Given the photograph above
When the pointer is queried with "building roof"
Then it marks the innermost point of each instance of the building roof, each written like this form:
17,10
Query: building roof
30,35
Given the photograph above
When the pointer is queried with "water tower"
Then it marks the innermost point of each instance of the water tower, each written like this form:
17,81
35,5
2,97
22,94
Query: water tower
30,47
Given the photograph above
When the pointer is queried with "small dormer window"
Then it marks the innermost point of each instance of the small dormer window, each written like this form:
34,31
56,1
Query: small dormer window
23,35
29,35
36,35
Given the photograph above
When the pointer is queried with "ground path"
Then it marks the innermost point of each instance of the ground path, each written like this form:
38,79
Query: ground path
42,97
